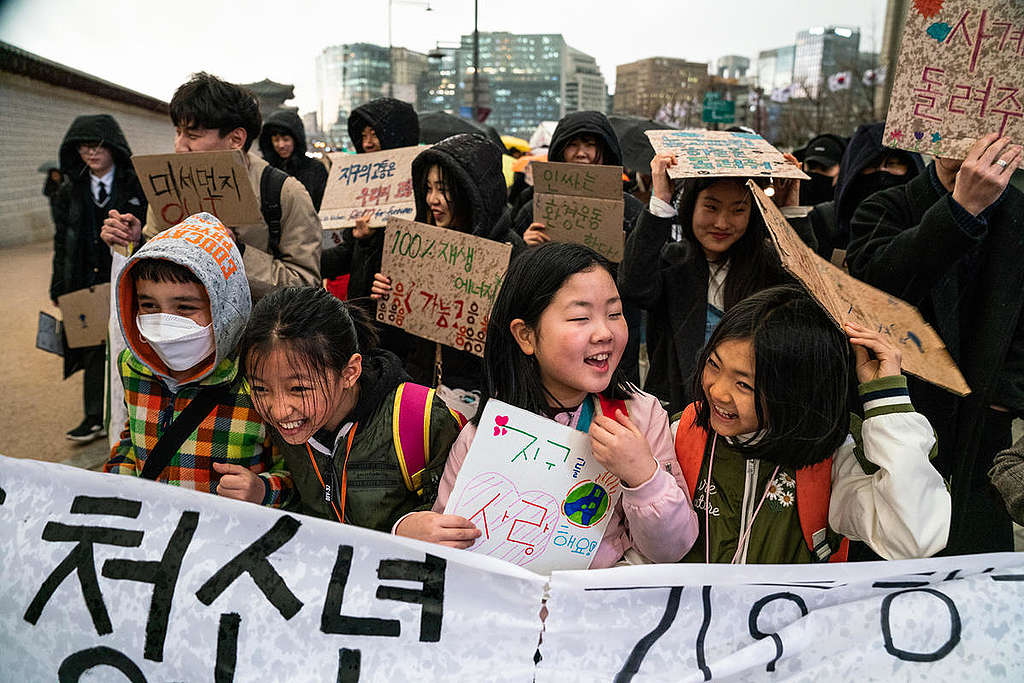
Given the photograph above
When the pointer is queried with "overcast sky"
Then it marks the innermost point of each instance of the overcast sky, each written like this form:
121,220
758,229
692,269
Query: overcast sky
153,47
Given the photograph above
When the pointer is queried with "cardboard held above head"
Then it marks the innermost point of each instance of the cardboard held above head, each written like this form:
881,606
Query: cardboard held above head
701,153
393,121
202,244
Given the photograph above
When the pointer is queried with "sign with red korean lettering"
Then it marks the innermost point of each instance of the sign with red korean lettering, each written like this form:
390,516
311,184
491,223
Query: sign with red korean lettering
443,283
582,204
180,185
376,184
960,75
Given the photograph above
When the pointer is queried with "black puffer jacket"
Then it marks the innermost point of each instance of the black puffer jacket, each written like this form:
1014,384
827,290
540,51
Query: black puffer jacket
310,172
394,122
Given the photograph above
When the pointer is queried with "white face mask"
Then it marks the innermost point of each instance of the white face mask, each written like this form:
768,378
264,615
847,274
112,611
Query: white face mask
180,342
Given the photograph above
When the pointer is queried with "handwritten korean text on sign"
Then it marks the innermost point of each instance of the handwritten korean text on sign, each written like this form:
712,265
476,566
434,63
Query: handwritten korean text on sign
701,153
378,184
582,204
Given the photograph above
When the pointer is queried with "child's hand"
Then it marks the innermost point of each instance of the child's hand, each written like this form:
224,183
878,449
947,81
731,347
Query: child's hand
622,449
239,483
362,228
535,234
450,530
381,286
887,358
661,184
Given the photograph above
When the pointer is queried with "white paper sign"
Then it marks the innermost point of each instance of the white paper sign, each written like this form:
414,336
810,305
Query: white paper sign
534,489
104,573
947,619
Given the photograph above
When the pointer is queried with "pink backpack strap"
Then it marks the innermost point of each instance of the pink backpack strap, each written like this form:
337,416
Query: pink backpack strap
410,424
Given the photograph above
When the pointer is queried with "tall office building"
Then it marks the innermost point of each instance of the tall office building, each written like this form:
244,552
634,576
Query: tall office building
583,87
439,85
732,66
822,51
775,68
644,87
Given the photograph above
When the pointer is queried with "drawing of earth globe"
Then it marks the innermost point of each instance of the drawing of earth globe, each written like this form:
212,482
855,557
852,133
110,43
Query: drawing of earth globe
586,504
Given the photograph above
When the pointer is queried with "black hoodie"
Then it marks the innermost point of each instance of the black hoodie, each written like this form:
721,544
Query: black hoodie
310,172
393,121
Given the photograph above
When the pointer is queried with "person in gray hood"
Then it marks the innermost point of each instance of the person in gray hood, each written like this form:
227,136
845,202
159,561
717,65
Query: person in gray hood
182,303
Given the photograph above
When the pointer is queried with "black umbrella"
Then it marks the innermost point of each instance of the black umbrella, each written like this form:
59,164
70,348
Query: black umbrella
47,165
438,125
636,147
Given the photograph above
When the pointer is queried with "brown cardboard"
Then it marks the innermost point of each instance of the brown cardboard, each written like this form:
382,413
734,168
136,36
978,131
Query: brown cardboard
960,75
443,283
704,153
378,184
86,313
577,180
847,299
180,185
596,223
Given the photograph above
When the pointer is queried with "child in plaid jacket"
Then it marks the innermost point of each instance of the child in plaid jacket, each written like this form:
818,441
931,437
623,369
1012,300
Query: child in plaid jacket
182,302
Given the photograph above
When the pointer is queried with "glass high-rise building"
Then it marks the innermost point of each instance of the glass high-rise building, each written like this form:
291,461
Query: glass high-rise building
822,51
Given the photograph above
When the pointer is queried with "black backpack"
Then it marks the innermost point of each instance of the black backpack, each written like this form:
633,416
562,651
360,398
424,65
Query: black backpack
271,181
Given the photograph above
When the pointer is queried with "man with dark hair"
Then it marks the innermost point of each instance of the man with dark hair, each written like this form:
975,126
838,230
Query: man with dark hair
283,145
98,178
212,115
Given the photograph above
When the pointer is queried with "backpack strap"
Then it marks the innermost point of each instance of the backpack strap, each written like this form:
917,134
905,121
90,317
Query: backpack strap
186,423
690,442
610,405
813,492
271,181
410,425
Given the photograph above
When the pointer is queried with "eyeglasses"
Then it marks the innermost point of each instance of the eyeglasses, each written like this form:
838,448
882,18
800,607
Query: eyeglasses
89,146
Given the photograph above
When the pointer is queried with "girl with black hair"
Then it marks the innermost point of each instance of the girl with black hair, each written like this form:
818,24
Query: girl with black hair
349,423
685,287
779,469
554,342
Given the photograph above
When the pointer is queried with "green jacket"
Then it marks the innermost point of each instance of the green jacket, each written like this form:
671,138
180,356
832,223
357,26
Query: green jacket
376,493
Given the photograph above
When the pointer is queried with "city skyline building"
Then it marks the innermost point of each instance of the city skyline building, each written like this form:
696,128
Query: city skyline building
644,87
822,51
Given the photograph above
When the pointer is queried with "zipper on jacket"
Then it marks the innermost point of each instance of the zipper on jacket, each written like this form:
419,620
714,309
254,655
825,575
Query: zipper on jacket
747,506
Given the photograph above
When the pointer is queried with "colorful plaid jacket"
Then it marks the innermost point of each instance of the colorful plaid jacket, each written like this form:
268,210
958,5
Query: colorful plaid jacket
232,433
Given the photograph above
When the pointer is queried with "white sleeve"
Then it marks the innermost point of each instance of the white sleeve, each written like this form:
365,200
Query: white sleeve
903,510
661,208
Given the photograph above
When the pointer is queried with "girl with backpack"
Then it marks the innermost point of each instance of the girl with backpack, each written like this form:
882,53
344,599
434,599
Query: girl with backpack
554,341
779,469
364,444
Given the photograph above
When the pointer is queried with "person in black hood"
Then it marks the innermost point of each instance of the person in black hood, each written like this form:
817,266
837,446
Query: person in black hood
458,184
820,160
867,167
95,160
283,145
381,124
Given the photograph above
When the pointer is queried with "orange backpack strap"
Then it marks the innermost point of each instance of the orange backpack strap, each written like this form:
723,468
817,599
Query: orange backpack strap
813,492
410,425
691,441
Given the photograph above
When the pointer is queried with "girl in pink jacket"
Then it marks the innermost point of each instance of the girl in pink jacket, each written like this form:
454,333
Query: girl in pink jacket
554,341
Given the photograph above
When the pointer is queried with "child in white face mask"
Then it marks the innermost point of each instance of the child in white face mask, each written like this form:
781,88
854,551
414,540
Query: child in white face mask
182,302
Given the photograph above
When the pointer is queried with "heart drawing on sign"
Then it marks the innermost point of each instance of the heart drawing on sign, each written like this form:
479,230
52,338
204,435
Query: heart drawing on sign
500,422
516,526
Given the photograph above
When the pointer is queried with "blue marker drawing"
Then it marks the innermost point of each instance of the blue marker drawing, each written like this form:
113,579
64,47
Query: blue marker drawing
913,338
81,316
939,30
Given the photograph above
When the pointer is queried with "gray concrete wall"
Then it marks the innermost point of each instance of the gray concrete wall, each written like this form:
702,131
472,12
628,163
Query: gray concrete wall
33,119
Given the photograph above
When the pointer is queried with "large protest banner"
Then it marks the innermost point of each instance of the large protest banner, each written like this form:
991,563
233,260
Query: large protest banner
535,490
581,203
847,299
443,283
960,74
701,153
108,575
946,619
166,584
180,185
376,184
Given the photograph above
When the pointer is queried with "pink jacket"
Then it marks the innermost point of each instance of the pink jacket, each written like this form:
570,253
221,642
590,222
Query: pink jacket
656,518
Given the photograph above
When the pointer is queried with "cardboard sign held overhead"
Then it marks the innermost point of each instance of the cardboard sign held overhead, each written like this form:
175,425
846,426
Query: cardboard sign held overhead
582,204
86,313
701,153
847,299
378,184
960,75
180,185
535,490
443,283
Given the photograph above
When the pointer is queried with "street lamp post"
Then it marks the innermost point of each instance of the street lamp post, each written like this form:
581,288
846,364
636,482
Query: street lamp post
391,51
476,60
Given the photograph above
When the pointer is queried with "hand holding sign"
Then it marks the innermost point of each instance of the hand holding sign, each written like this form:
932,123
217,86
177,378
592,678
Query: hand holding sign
661,184
985,173
887,358
121,230
239,483
450,530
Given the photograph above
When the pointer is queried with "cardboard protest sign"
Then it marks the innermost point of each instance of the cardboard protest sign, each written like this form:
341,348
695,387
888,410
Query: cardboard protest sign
939,619
582,204
110,577
534,489
960,75
847,299
180,185
704,153
443,283
376,183
85,314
